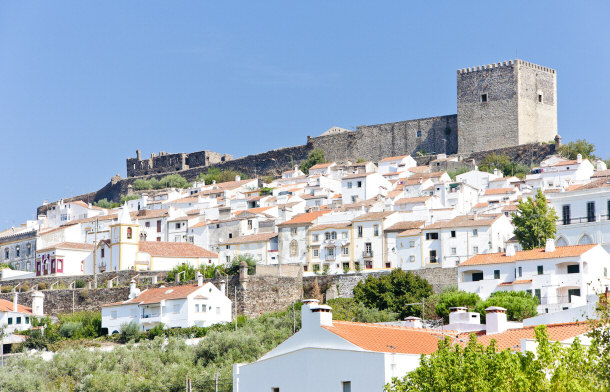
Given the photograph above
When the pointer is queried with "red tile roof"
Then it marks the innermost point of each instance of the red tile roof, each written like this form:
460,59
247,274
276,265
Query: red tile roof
371,216
499,191
7,306
261,237
405,225
396,158
70,246
534,254
338,225
156,295
306,218
386,338
321,165
482,220
410,200
174,249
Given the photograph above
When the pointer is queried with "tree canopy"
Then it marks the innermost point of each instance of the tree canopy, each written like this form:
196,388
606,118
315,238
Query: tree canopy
394,292
503,163
534,222
580,146
315,157
519,305
169,181
452,299
215,174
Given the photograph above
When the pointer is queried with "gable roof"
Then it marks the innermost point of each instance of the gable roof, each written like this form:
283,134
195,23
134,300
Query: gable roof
371,216
69,246
156,295
410,200
499,191
321,165
405,225
396,158
466,221
261,237
534,254
174,249
387,338
7,306
305,218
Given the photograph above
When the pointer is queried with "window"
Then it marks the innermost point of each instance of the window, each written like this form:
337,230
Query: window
354,198
6,253
483,98
275,389
411,244
327,236
412,259
475,232
158,239
158,226
28,248
433,256
316,267
129,233
539,98
453,251
102,252
540,270
418,133
204,308
27,320
345,251
359,184
250,224
330,251
293,230
218,310
571,292
344,235
432,236
452,233
349,185
316,253
606,272
316,238
228,259
573,269
520,271
537,294
18,320
177,226
294,248
566,214
368,248
376,230
17,251
333,235
346,386
608,216
591,211
496,274
10,321
359,233
197,308
475,250
176,308
147,224
476,276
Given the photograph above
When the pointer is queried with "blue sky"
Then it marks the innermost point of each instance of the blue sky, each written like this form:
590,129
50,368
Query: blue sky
85,84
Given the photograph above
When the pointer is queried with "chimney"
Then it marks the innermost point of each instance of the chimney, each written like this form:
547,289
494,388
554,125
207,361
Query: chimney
510,250
496,320
133,290
413,322
314,315
15,302
200,279
223,287
496,173
461,315
237,178
579,158
550,245
296,168
37,303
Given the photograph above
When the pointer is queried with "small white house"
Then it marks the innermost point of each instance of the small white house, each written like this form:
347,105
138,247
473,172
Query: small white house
15,317
185,306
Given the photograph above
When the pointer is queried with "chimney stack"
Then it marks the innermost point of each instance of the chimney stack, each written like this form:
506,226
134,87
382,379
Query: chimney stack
223,287
550,245
510,250
37,303
133,290
314,315
15,307
200,280
413,322
237,178
496,320
579,158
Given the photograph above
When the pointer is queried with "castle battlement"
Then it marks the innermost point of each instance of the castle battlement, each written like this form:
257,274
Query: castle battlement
508,63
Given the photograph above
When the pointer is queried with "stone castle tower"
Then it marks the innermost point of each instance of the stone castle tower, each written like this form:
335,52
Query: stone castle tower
505,104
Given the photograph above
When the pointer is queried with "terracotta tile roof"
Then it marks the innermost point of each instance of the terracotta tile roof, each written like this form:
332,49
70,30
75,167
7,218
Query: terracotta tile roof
357,175
174,249
409,200
566,163
321,165
373,216
481,205
601,173
518,281
387,338
306,218
409,232
419,169
244,239
603,182
396,158
499,191
524,255
466,221
338,225
70,246
405,225
230,185
256,210
156,295
392,174
200,224
151,214
511,338
394,194
510,207
427,175
7,306
188,199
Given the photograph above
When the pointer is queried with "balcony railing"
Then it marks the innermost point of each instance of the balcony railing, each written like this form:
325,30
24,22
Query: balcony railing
583,219
367,253
330,257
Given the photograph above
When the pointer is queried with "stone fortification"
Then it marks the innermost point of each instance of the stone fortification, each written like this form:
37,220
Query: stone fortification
167,163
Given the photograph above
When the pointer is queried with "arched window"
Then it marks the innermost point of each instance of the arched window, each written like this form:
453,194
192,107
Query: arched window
585,240
333,235
561,242
129,233
327,235
294,248
28,250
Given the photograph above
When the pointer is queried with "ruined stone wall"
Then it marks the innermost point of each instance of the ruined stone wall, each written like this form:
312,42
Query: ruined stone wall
374,142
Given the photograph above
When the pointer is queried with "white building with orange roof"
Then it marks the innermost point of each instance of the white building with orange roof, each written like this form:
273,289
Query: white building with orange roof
15,317
558,174
363,186
396,164
63,212
497,196
583,214
560,277
369,246
293,238
184,306
262,247
478,179
324,169
65,258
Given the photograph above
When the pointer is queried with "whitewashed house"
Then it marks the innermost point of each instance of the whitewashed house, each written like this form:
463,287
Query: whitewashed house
262,247
184,306
561,277
558,174
293,238
363,186
65,258
396,164
15,317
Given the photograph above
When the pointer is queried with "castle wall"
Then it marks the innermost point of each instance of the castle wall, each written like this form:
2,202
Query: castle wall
537,120
492,124
374,142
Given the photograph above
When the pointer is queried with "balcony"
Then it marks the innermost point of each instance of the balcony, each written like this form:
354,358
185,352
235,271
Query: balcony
584,219
557,280
330,257
151,319
367,254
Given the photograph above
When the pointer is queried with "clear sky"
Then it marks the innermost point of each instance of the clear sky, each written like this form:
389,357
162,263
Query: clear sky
83,84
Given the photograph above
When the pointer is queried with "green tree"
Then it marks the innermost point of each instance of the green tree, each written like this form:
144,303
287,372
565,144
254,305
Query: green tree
104,203
233,268
519,305
127,198
215,174
130,332
174,181
534,222
580,146
454,298
394,292
141,185
187,268
315,157
348,309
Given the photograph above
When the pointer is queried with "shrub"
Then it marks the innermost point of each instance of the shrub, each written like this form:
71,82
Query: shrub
315,157
454,298
7,289
141,185
127,198
130,332
348,309
518,304
69,330
454,173
104,203
79,284
233,268
189,273
43,286
157,330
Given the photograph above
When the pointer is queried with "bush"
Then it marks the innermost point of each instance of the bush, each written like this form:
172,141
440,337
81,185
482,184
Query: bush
315,157
7,289
130,332
454,298
518,304
43,286
348,309
127,198
454,173
394,292
80,284
214,174
157,330
104,203
189,273
233,268
70,329
141,185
